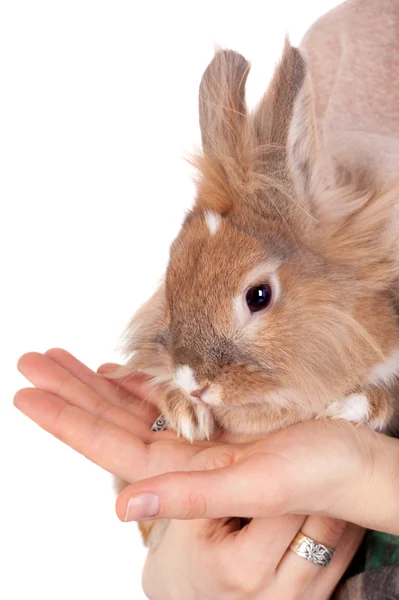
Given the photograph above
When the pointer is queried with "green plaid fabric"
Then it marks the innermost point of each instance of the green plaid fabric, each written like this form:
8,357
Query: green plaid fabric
374,573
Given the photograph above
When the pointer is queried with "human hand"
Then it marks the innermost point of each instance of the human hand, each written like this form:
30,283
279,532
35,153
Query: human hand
320,467
110,424
209,559
107,421
329,468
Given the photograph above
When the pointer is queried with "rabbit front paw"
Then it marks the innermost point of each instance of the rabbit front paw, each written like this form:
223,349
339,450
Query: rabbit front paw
354,408
192,421
373,405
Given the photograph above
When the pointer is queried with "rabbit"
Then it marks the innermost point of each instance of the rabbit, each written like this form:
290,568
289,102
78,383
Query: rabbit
279,300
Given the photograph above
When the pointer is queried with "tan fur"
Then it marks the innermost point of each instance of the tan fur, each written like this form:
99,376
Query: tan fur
328,231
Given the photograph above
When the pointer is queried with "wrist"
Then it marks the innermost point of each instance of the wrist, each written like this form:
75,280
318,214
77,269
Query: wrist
383,485
371,498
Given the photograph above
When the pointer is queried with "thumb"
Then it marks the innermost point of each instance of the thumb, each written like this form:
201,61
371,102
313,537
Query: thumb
250,488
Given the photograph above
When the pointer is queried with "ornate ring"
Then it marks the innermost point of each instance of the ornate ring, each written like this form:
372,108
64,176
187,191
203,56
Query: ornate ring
160,424
313,551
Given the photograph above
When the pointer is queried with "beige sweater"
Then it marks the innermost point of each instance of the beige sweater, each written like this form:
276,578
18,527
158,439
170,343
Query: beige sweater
352,54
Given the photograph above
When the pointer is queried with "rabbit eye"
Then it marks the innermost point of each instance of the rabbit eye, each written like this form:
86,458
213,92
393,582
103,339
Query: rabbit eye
259,297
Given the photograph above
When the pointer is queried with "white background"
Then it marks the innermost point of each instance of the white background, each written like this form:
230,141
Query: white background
98,107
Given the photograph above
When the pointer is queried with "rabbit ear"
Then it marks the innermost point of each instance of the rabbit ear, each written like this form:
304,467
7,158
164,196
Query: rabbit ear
222,109
226,161
272,117
310,166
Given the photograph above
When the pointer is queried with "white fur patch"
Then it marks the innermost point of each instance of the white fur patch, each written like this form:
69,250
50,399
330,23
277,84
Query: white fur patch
213,395
187,428
205,422
213,221
386,371
276,287
184,377
192,432
354,408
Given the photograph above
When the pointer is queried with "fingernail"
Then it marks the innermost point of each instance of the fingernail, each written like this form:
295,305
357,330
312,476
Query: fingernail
143,506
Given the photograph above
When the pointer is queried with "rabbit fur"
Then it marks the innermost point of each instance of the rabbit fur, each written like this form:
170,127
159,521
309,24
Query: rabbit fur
272,208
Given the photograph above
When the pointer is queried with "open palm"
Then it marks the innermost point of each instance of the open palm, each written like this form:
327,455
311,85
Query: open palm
108,422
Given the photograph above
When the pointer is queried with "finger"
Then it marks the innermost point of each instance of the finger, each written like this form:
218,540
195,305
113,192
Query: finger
131,395
107,368
267,539
235,489
112,447
49,376
322,530
248,558
324,584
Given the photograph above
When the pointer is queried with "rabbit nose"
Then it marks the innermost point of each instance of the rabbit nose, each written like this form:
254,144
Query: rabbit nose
198,393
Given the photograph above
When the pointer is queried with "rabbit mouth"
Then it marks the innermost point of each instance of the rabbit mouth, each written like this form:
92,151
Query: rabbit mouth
198,393
210,394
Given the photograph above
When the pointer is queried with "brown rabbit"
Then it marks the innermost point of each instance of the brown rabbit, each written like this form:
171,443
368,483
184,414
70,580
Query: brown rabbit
278,304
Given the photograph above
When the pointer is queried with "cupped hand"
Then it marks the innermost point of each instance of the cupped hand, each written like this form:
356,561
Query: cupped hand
319,467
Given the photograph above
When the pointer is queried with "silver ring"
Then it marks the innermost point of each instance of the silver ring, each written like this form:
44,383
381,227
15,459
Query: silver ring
313,551
160,424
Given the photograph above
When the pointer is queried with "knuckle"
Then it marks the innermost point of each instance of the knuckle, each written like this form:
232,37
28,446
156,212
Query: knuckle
239,579
99,430
219,460
194,506
239,585
332,529
294,520
107,412
63,384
